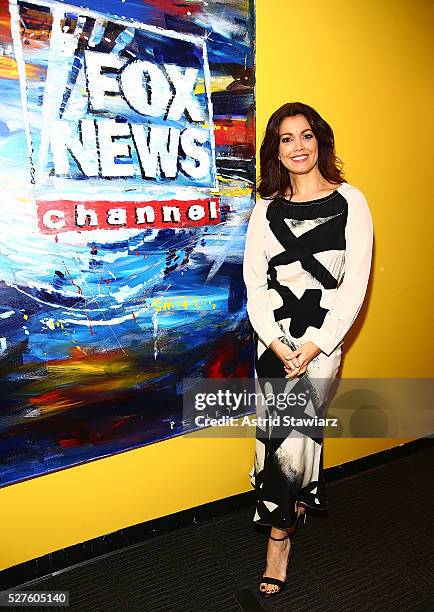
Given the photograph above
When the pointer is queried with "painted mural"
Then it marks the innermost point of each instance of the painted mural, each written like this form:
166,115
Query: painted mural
126,178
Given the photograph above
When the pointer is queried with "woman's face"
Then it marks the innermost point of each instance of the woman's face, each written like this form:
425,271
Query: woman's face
298,145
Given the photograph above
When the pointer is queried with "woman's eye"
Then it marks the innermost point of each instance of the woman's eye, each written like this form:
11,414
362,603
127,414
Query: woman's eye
288,139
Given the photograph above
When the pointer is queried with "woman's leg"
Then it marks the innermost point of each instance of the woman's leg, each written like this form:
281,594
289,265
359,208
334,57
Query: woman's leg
277,559
300,508
277,553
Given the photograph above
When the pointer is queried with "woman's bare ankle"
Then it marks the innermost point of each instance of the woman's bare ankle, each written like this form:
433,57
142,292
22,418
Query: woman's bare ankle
278,533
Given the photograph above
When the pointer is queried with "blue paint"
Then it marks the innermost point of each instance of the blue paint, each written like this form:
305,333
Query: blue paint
100,293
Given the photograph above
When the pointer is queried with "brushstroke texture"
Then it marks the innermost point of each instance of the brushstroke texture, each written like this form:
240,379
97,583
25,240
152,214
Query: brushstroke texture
99,328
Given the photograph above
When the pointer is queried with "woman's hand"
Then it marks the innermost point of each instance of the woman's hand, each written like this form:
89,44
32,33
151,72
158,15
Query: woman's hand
301,356
295,362
284,353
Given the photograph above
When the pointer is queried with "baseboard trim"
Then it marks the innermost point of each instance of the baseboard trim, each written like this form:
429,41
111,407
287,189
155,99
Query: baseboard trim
86,551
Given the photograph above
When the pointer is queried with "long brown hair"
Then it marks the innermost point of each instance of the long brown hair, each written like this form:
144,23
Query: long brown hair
275,179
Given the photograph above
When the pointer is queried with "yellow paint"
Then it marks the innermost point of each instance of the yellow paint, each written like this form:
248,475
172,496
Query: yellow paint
180,303
219,83
366,67
9,70
228,187
88,367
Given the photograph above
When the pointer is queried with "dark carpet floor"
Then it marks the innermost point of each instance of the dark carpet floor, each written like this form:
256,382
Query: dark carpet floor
372,550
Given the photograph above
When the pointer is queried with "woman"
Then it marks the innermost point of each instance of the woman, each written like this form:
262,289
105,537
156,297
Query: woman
306,267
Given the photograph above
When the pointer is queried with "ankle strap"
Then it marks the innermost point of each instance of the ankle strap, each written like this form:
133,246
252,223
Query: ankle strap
278,539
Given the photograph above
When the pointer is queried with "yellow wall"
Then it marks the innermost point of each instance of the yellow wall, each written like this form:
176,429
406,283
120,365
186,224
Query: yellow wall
366,67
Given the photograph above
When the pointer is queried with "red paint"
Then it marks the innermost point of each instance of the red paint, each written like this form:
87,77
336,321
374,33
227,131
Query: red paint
76,353
234,132
225,361
50,397
174,7
68,443
80,292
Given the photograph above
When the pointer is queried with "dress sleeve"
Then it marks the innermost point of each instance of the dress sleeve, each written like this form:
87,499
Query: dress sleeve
255,267
351,292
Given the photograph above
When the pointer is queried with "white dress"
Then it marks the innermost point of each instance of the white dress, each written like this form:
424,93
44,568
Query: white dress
306,269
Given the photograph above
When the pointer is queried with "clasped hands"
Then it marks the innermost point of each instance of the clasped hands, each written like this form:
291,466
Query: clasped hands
295,362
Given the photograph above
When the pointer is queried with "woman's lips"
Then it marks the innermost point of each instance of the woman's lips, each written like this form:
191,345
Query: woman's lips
299,159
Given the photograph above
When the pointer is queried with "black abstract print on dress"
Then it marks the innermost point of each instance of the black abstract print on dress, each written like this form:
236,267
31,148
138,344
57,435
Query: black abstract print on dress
306,270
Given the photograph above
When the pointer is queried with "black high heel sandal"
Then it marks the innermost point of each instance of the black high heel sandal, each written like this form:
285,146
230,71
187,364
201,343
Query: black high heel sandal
269,579
276,581
294,526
